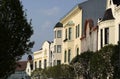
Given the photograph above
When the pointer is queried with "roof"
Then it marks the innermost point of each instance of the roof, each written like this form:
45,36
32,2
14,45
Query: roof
92,9
117,2
72,11
58,25
108,15
21,65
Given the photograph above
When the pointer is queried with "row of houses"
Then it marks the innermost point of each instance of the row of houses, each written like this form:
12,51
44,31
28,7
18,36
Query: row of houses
88,26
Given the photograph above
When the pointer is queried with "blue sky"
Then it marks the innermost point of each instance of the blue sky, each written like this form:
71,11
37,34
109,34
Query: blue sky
45,14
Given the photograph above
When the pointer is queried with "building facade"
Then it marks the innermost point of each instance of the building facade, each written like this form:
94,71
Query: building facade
42,57
81,30
21,71
71,34
74,24
89,38
57,44
109,25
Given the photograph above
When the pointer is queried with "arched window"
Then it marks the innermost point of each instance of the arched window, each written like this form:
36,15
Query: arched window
35,65
45,63
65,57
77,51
39,63
69,55
70,33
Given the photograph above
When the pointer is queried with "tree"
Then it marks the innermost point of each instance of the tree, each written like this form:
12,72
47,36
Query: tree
77,69
59,72
115,62
84,63
97,66
106,53
100,65
77,66
15,33
37,73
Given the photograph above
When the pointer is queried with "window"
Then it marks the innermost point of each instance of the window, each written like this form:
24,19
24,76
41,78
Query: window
110,2
106,35
54,62
31,66
58,48
77,51
65,56
77,31
28,70
59,34
69,55
70,33
39,63
54,48
55,34
35,65
66,34
45,63
51,55
58,62
101,35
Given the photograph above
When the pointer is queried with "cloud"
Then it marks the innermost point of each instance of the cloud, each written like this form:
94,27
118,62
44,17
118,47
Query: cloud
51,11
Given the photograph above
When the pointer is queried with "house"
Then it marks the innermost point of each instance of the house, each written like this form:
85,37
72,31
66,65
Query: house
89,39
20,72
57,54
42,57
74,24
51,52
109,24
71,34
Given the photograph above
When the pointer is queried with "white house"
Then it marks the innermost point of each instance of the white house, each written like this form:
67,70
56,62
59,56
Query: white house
57,54
20,72
109,25
89,38
43,56
23,69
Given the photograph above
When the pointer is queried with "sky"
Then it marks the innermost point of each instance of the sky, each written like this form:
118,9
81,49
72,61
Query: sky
45,14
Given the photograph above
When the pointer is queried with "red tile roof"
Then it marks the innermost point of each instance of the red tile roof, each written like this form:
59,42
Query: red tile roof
21,65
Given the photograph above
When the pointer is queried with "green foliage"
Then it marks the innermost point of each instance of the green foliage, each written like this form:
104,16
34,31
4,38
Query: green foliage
100,64
59,71
97,65
36,72
115,61
84,63
15,33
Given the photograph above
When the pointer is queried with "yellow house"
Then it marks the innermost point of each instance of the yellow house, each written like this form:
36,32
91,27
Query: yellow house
74,24
71,34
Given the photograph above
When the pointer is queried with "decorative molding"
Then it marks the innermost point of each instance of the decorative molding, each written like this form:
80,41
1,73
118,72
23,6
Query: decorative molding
70,23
